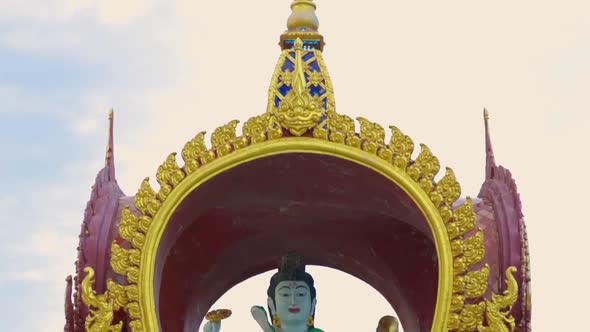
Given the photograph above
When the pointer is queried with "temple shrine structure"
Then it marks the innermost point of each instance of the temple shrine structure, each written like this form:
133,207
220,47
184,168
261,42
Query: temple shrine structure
151,261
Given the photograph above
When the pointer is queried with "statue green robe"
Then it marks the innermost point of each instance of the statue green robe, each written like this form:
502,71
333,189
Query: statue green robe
310,330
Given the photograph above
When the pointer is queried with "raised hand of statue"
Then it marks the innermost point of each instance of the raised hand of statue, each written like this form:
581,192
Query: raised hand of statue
214,319
259,315
212,326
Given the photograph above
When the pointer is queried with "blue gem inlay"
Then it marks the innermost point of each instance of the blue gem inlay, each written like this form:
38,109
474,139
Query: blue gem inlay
313,66
316,90
308,56
283,90
288,65
277,101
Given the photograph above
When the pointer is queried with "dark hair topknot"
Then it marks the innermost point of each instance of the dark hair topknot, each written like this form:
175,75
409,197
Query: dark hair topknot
291,268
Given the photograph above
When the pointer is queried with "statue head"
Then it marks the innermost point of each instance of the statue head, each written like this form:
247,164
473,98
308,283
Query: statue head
291,294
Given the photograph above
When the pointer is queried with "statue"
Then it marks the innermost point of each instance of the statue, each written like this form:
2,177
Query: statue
291,300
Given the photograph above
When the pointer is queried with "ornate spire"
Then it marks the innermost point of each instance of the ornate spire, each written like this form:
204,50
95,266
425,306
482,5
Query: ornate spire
303,23
110,158
490,161
299,111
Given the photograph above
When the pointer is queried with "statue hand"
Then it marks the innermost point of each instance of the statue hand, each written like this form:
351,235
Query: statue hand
261,318
212,326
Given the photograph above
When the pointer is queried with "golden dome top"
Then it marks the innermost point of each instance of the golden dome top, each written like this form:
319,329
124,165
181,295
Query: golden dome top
303,16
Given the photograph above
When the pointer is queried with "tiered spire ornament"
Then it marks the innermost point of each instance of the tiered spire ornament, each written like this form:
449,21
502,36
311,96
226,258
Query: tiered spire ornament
301,93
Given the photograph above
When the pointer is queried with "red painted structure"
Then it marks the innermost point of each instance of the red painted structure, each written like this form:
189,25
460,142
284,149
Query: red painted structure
233,226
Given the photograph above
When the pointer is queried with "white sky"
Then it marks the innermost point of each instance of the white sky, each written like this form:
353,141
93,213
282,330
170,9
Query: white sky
173,68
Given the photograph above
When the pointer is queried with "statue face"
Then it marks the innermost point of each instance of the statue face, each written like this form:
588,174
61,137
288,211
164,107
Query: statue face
293,302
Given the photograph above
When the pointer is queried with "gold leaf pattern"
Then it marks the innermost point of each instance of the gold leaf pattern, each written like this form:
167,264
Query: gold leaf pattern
425,167
340,126
145,199
372,134
133,274
192,151
118,293
498,310
449,188
136,326
132,293
457,247
134,310
402,146
119,259
457,302
458,284
470,317
464,217
287,77
256,128
223,137
315,78
169,172
476,282
129,224
101,307
473,249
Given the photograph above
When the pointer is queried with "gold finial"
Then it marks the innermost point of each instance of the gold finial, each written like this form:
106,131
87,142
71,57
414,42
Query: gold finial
303,16
486,116
304,24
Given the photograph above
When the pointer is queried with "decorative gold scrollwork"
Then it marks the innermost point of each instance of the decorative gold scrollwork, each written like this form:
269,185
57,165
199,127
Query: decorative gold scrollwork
145,199
402,146
372,134
498,310
169,175
262,127
101,308
223,138
192,152
470,317
424,169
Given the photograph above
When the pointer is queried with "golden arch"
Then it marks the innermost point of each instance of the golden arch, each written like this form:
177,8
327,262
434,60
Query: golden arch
264,137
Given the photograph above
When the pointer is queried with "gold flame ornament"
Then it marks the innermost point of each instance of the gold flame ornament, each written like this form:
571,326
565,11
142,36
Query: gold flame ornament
299,111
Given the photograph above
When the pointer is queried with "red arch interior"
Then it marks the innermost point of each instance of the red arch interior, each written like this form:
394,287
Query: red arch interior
334,212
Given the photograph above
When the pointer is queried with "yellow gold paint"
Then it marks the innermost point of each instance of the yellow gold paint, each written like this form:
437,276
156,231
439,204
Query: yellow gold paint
498,310
101,308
